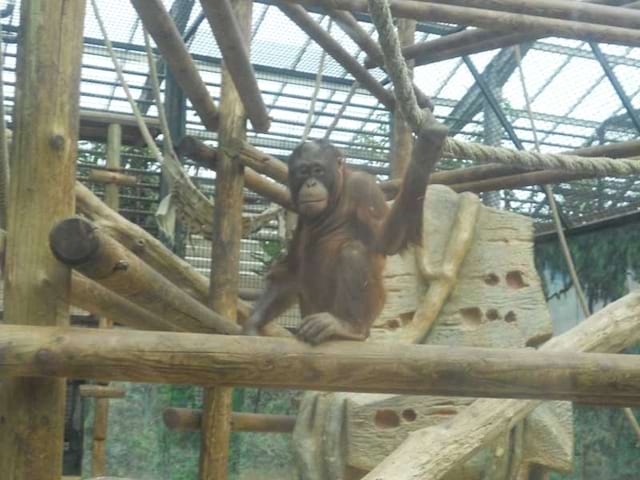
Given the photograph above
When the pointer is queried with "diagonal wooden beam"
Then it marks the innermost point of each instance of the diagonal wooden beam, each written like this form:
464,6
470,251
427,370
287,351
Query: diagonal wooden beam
433,452
160,25
235,54
300,17
359,35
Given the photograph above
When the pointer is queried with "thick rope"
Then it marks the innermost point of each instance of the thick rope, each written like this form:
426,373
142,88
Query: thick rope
397,69
395,65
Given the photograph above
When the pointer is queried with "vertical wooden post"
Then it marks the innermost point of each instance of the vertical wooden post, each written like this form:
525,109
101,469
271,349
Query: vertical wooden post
401,134
114,145
41,194
225,258
101,420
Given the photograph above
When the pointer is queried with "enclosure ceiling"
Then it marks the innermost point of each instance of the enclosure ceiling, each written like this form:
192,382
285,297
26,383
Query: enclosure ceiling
573,102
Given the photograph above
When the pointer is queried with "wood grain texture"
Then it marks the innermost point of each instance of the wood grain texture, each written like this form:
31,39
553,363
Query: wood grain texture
184,358
225,253
82,245
41,193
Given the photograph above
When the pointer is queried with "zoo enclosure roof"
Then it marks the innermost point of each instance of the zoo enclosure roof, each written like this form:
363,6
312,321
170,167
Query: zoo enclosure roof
573,102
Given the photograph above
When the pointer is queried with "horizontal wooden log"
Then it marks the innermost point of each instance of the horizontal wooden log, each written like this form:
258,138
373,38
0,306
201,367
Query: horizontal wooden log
573,10
101,391
184,358
86,248
498,21
206,156
95,125
300,17
161,27
235,54
111,177
463,43
146,247
190,420
433,51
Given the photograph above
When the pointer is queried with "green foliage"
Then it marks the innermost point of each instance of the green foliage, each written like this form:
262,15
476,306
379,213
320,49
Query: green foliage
604,259
270,251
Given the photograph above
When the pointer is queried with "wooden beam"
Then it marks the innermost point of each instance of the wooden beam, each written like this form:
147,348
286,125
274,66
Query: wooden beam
300,17
225,253
233,45
433,452
151,251
207,157
458,44
185,358
145,246
359,35
112,178
101,391
94,298
190,420
160,25
574,11
498,21
94,126
465,43
36,286
83,246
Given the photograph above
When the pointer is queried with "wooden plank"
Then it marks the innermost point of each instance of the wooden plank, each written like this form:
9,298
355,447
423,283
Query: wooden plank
190,420
83,246
169,41
432,453
41,193
376,367
235,53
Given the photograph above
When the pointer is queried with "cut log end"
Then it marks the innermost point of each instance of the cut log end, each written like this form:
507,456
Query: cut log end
73,241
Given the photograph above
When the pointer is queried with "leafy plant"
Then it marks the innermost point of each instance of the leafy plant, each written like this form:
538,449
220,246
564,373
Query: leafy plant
270,251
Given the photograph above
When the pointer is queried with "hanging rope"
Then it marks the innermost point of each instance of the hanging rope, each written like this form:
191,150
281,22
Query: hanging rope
555,212
316,90
397,69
